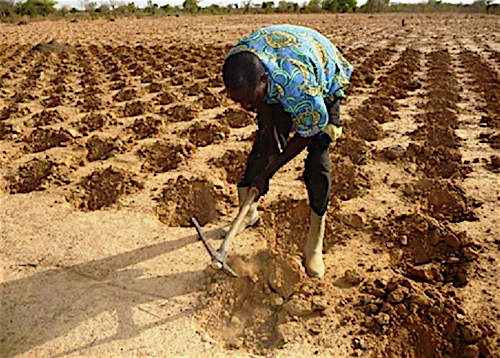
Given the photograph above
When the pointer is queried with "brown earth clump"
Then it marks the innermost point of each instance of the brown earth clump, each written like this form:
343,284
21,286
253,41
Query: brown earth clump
490,138
100,149
376,111
30,176
163,156
92,122
5,130
43,139
45,118
204,133
354,148
349,181
437,161
103,188
136,109
125,95
418,240
366,129
180,113
90,103
146,127
183,199
236,118
36,174
166,98
252,310
210,101
13,111
234,162
445,201
417,319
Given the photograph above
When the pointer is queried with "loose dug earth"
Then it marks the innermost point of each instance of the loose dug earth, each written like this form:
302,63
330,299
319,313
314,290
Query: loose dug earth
183,199
234,163
162,157
103,188
99,257
36,175
204,133
43,139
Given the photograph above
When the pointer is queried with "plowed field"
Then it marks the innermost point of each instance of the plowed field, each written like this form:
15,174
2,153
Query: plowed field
113,134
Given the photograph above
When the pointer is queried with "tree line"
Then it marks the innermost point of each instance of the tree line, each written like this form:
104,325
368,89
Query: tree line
12,9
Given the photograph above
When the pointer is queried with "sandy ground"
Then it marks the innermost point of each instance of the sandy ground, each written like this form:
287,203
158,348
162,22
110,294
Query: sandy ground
113,134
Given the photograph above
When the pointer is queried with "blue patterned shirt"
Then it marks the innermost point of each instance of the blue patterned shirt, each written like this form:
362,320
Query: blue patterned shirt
305,70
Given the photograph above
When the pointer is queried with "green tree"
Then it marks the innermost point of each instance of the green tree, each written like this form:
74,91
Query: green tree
268,6
7,9
339,5
36,7
375,6
191,5
313,6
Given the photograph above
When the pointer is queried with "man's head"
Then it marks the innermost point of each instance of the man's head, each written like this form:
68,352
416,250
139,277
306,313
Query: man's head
245,79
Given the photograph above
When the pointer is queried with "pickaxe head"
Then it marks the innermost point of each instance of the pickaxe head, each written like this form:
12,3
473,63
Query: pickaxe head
218,256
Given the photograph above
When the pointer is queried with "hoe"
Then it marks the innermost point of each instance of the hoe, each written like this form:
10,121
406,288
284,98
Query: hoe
219,256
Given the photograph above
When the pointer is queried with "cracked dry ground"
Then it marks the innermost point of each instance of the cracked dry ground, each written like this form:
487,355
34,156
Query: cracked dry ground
114,134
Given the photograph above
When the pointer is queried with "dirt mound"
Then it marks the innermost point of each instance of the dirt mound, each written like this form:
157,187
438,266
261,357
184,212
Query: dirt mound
43,139
349,181
180,113
445,201
136,109
55,100
166,98
364,128
183,199
13,111
236,118
210,101
437,161
376,111
364,73
234,162
100,149
419,240
204,133
251,311
5,130
155,87
90,103
92,122
49,47
103,188
419,320
36,174
45,118
163,156
125,95
493,140
146,127
355,149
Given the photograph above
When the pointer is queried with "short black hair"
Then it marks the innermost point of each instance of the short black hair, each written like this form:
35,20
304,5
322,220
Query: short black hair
241,70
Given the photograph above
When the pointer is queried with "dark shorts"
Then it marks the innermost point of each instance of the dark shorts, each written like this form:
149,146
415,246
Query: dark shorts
317,164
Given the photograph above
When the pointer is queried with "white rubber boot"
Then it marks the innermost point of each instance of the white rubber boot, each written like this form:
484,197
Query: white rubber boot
314,246
253,215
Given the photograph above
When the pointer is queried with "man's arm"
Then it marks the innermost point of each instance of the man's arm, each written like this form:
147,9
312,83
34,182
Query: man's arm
294,147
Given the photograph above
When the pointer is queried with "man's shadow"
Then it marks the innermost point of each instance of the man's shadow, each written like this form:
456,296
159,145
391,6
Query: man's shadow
50,304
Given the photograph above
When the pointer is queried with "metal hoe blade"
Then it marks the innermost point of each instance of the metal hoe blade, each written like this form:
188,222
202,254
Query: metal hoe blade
217,255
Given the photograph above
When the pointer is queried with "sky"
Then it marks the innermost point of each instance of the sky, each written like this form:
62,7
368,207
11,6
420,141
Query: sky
204,3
